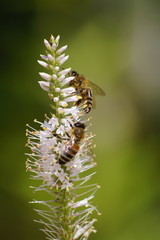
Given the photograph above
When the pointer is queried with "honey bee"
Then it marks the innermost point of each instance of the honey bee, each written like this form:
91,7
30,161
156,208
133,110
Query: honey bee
87,90
73,144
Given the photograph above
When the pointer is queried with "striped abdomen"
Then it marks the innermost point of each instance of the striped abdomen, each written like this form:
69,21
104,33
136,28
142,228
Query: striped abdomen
69,153
88,100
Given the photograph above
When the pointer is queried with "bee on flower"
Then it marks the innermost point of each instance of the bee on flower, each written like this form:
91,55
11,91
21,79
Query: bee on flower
61,149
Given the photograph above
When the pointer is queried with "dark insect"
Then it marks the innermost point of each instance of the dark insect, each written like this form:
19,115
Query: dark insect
87,90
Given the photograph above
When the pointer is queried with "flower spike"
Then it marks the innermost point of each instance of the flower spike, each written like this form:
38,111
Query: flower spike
61,150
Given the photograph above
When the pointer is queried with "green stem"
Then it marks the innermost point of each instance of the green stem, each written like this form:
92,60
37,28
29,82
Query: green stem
66,217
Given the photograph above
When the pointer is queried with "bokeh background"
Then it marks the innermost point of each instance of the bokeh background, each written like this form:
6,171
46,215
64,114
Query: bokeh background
115,43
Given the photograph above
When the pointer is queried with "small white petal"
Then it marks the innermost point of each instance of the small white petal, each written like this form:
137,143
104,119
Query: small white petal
68,90
44,85
54,46
43,64
67,80
63,104
54,76
56,68
65,71
61,78
44,57
57,39
72,99
52,38
62,49
64,60
60,110
82,230
54,121
47,44
56,99
73,110
81,203
67,122
61,175
57,89
50,57
66,185
60,57
45,76
61,130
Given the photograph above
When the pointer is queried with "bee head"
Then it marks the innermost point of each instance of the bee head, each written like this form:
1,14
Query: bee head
74,73
80,125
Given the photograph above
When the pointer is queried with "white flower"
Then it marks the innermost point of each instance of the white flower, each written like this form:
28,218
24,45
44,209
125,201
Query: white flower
44,85
71,99
48,46
67,80
67,91
63,103
45,76
63,60
62,49
43,64
56,68
59,148
61,78
73,110
54,122
61,175
54,46
65,71
44,134
47,176
67,122
60,57
60,130
57,90
82,230
57,39
56,168
81,203
44,57
66,185
50,57
54,76
56,99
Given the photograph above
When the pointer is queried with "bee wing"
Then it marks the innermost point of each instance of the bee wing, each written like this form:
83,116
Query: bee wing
94,101
96,89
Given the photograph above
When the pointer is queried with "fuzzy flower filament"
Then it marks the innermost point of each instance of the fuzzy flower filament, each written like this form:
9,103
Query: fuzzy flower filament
66,213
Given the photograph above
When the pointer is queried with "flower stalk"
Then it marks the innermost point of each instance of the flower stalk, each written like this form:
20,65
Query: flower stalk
67,211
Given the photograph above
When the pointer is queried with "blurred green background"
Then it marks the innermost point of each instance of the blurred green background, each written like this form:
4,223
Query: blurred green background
116,45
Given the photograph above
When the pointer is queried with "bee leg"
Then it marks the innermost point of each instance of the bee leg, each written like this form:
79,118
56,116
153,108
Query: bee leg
67,135
78,102
59,137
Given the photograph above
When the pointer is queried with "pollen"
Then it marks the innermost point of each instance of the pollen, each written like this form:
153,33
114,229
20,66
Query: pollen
84,106
79,97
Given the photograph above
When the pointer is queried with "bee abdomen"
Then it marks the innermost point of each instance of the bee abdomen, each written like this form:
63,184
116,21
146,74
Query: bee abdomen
68,155
88,105
65,158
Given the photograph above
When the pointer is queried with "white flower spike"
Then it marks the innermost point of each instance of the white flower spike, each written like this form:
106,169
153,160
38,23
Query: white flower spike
58,156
